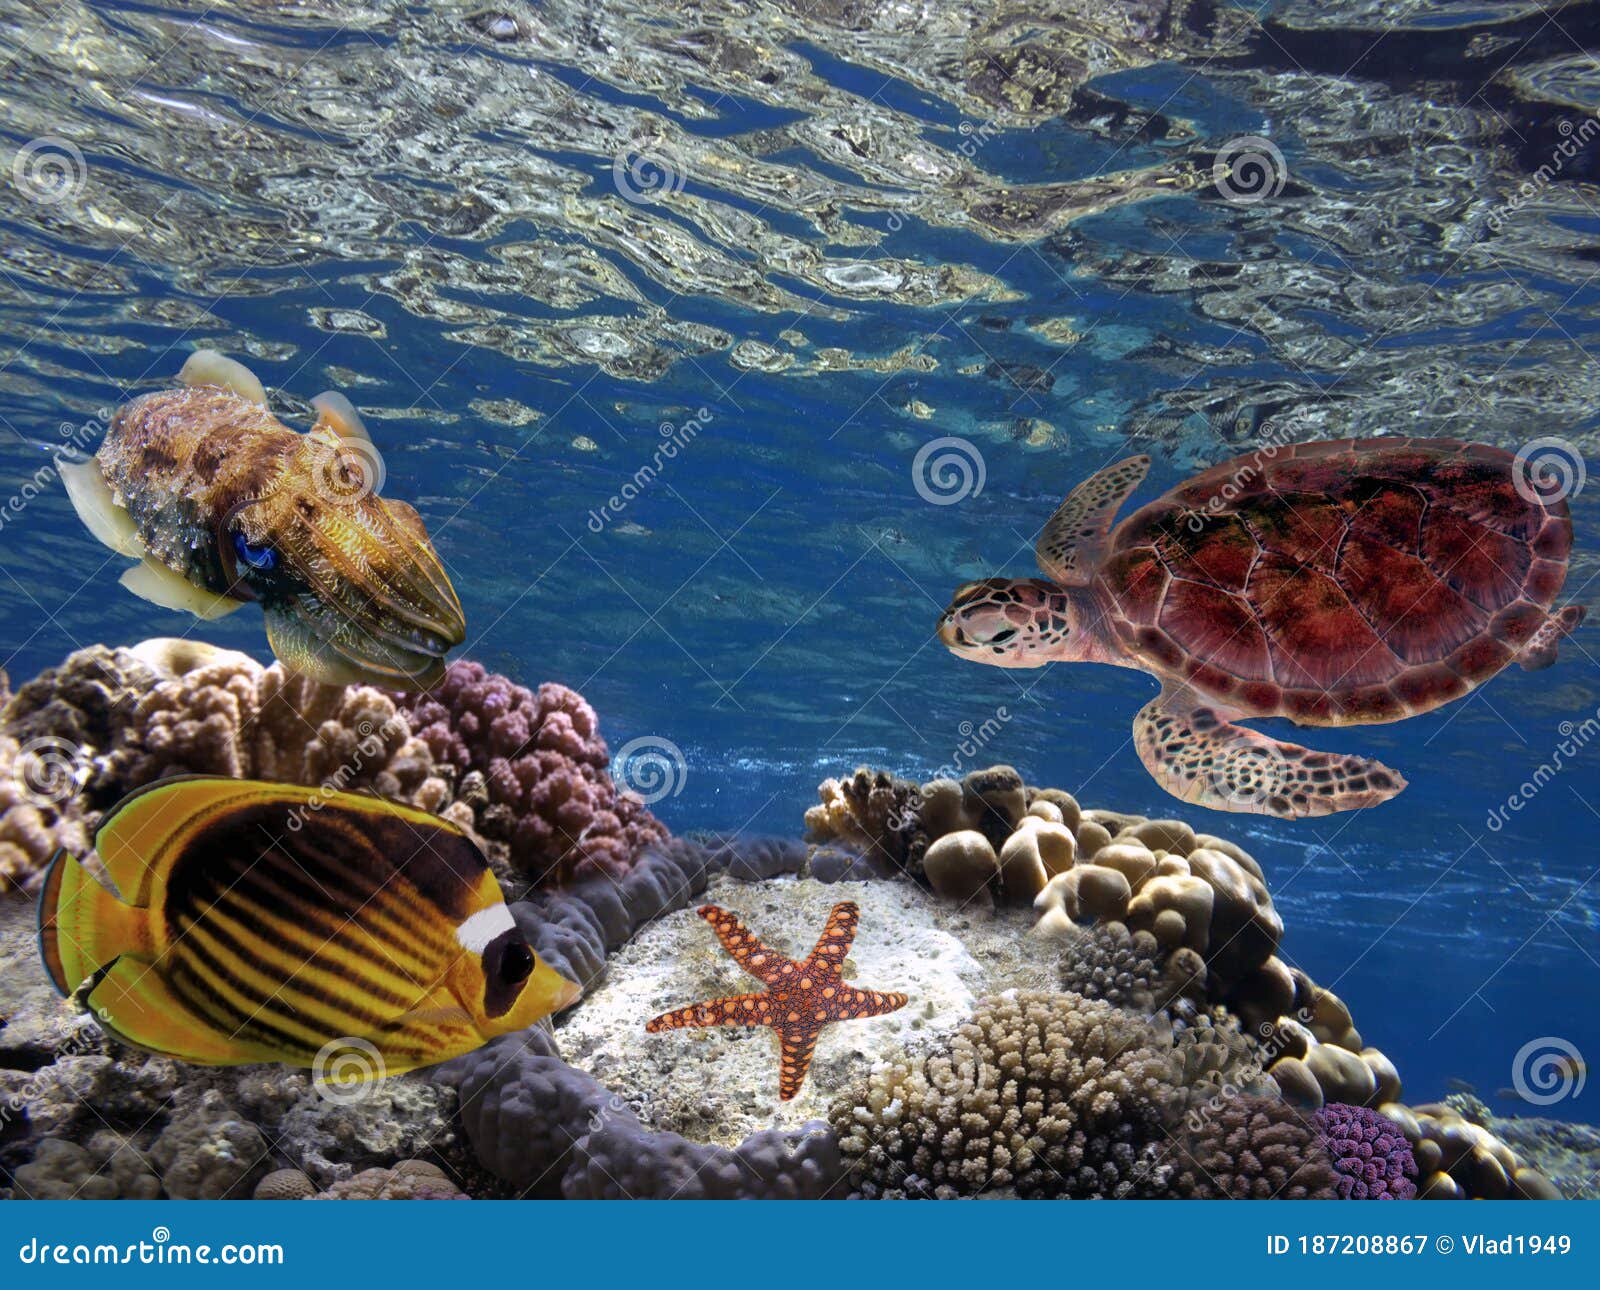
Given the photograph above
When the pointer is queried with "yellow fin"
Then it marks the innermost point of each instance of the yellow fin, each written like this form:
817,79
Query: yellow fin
133,1002
82,925
92,499
153,581
207,367
337,413
143,833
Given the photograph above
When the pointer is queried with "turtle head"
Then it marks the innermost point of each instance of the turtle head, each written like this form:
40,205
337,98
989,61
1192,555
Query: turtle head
1009,622
350,585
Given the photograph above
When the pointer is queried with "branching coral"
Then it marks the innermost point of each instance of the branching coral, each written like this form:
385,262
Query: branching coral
1250,1148
1369,1153
1048,1094
549,794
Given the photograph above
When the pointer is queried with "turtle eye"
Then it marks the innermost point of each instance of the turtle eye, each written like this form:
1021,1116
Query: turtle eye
515,963
264,558
1002,636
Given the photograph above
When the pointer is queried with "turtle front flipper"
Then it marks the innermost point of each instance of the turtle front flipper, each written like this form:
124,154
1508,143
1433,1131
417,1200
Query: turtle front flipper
1070,546
1199,755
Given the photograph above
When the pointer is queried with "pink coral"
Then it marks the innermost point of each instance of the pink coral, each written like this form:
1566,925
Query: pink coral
545,766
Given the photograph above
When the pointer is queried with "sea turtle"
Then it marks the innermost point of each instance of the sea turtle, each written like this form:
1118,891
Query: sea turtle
1333,583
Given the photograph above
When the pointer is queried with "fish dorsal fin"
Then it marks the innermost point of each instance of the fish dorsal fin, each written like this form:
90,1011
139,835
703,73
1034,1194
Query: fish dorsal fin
141,835
1072,543
93,500
207,367
153,581
337,413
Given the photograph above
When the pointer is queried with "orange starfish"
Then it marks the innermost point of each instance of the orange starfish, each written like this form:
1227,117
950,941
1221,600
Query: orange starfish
800,998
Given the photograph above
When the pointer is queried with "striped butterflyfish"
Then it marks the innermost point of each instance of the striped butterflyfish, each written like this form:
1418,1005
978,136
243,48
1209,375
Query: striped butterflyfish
257,922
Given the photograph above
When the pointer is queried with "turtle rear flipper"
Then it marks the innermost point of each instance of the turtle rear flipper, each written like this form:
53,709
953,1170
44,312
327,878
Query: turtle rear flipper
1072,541
1196,752
1540,651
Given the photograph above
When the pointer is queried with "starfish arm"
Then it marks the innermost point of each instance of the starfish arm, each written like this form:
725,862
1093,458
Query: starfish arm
732,1010
837,936
795,1059
760,961
868,1003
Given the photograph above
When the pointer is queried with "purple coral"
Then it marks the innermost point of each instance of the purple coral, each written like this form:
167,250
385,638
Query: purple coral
545,767
1371,1155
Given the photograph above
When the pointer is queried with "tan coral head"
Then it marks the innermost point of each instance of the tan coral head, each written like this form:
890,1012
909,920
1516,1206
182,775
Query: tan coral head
222,504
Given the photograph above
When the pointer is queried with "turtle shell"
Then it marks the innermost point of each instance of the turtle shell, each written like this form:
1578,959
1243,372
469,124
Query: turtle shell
1352,581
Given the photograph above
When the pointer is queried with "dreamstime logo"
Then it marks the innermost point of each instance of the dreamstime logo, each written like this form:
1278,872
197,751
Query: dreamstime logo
1249,169
347,471
649,769
1547,1070
648,170
948,470
346,1070
49,170
1548,471
49,770
1251,777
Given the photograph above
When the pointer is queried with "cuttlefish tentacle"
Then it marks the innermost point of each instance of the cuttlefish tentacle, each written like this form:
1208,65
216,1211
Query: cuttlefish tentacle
224,504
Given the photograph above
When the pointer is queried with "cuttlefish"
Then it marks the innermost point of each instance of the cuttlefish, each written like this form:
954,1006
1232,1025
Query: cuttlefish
223,504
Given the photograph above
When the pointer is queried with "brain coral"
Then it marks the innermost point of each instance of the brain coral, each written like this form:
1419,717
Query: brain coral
1370,1153
550,797
1047,1094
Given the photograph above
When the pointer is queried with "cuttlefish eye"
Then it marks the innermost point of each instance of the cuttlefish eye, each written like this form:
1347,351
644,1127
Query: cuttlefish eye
515,963
264,558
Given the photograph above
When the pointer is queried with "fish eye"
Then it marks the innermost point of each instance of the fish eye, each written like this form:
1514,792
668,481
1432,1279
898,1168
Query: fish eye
515,963
264,557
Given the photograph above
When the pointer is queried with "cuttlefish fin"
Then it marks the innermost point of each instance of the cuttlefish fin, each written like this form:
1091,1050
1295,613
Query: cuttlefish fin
153,581
133,1002
207,367
337,413
92,499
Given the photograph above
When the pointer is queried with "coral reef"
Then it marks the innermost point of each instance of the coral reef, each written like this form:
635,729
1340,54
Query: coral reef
547,789
1047,1094
1252,1148
1370,1154
408,1180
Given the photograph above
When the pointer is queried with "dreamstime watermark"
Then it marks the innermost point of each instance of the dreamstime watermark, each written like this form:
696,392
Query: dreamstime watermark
948,470
646,171
971,740
1548,471
1275,437
1251,776
1573,140
373,740
76,437
1273,1041
649,769
49,770
160,1249
1249,169
346,1070
49,170
1575,737
675,438
1548,1070
346,472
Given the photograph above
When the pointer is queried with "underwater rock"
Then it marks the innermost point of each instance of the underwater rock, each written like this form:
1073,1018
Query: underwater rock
208,1152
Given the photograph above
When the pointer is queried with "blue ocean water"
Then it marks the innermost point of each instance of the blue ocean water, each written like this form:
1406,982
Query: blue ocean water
801,305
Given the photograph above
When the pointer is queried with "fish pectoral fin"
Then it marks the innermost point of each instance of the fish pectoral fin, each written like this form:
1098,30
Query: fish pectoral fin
153,581
92,499
430,1013
207,367
134,1004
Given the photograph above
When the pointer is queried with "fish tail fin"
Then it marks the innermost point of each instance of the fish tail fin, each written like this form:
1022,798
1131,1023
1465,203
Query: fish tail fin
83,927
